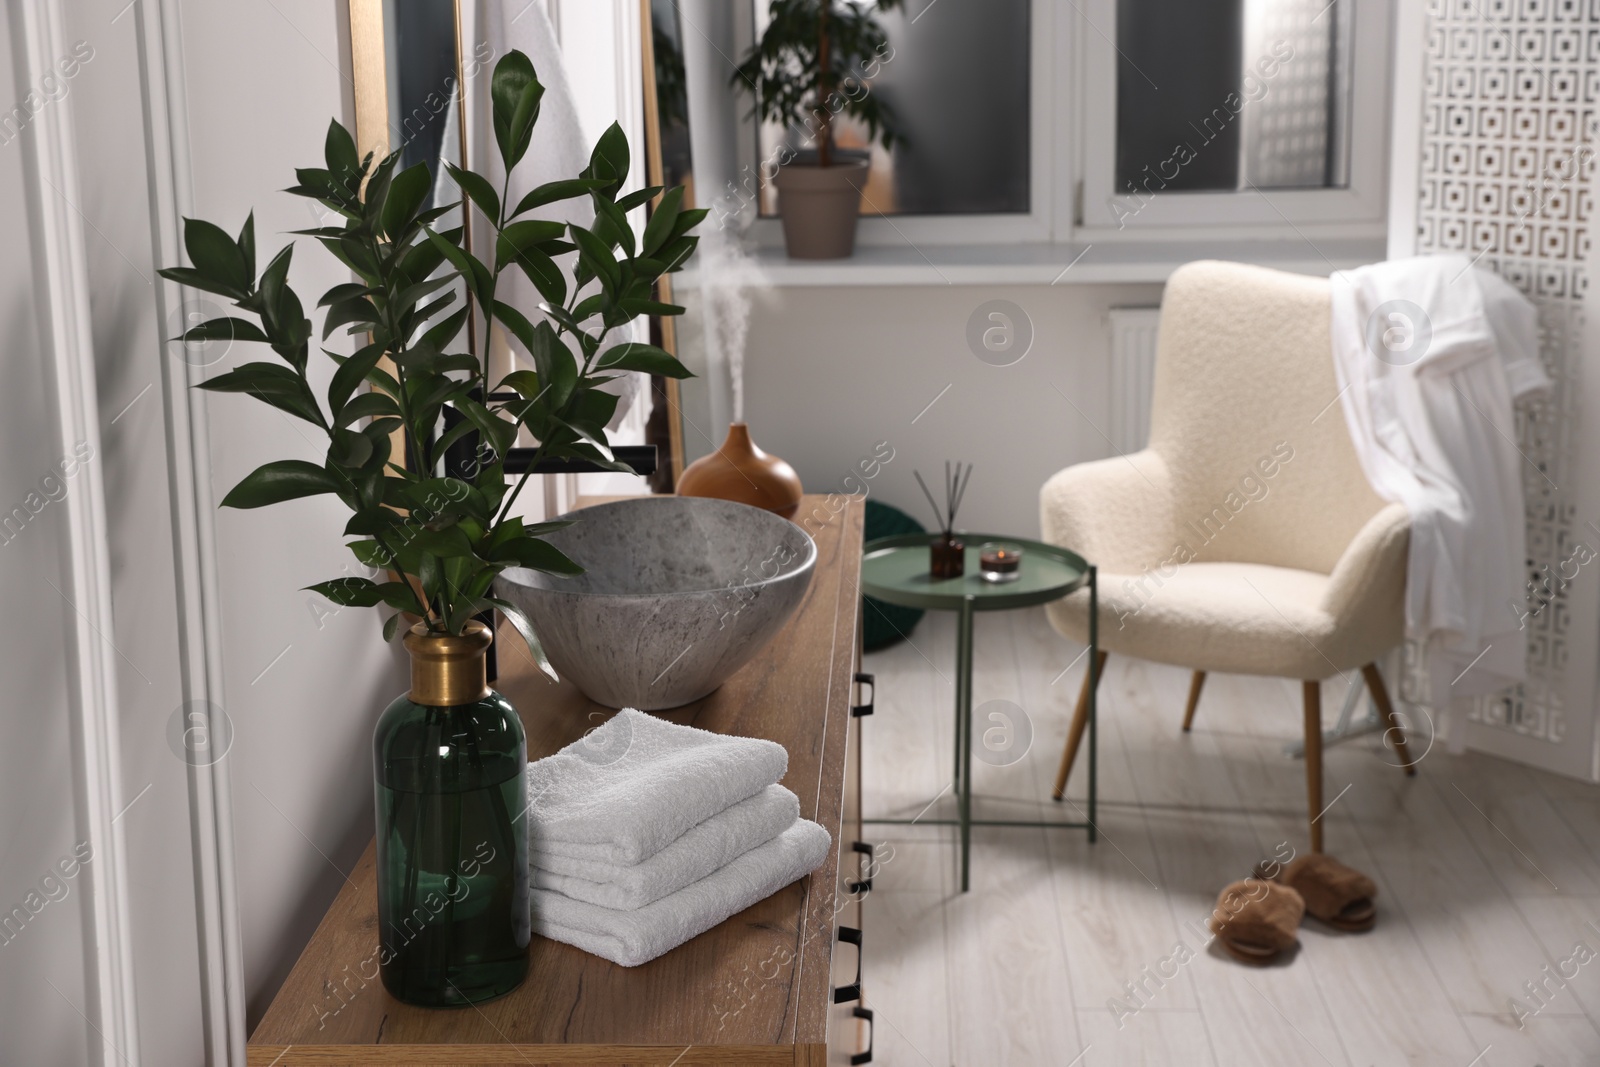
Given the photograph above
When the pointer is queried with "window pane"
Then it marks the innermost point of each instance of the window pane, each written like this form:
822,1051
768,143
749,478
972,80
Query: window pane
958,80
1232,94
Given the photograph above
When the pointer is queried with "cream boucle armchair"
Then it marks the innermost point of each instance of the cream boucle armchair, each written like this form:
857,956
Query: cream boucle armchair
1245,538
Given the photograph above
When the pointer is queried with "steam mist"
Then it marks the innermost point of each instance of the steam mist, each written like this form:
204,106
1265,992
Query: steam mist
726,275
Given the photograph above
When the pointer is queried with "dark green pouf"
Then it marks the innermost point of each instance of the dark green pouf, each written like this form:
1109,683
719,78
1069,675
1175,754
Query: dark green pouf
884,624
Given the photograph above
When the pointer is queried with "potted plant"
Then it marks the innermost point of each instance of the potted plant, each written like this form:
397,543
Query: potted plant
449,755
809,67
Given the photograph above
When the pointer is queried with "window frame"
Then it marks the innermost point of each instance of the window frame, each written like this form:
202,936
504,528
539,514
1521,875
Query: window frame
1359,209
1072,126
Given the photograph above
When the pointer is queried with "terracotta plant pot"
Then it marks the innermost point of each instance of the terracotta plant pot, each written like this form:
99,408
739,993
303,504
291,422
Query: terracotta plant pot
741,472
820,206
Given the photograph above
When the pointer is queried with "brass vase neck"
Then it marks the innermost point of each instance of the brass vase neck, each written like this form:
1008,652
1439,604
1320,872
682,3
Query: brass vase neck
448,669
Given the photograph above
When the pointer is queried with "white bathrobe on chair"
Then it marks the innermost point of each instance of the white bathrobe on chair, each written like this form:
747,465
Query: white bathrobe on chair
1431,353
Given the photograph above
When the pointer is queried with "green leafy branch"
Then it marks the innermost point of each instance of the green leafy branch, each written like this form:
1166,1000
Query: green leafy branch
444,538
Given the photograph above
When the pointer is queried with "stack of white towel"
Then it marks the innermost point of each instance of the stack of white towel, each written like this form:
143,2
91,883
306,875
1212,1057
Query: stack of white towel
644,834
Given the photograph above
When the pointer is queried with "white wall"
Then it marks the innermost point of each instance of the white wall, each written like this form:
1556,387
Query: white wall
833,371
42,940
303,686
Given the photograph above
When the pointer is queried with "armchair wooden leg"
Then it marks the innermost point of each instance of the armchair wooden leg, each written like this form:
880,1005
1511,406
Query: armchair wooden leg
1380,696
1313,700
1080,719
1195,683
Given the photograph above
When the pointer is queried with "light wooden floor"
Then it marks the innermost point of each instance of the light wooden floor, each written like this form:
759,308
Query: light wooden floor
1488,873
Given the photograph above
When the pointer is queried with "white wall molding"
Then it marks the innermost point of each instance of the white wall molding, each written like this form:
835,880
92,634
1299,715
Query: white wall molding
59,268
194,540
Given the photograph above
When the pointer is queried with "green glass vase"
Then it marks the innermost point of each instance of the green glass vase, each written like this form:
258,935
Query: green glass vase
452,800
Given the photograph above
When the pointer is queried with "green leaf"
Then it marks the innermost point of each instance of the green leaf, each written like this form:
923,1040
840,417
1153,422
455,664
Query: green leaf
365,593
524,627
390,625
342,292
349,448
642,357
247,244
443,333
478,189
409,297
370,521
514,92
637,198
527,233
596,254
351,373
537,555
659,229
523,120
378,185
216,256
224,330
634,306
274,280
555,363
592,410
284,479
609,160
357,310
349,592
196,280
611,226
478,277
449,541
501,433
271,384
404,198
551,192
525,382
339,150
367,406
422,259
546,277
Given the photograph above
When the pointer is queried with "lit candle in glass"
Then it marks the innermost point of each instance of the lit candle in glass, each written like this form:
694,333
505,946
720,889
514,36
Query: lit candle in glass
999,562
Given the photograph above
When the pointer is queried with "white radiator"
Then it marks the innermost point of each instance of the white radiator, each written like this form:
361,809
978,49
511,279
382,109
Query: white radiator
1133,366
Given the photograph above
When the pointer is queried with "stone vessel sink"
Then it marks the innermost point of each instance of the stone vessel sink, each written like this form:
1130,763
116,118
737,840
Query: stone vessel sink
677,594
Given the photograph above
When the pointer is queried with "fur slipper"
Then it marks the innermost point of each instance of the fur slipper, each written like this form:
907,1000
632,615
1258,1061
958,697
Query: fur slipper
1255,920
1340,896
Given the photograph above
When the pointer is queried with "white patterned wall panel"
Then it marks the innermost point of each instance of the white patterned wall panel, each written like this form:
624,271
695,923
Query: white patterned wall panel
1510,107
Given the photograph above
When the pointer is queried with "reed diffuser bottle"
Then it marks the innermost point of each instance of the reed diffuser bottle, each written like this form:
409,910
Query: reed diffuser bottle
452,801
947,553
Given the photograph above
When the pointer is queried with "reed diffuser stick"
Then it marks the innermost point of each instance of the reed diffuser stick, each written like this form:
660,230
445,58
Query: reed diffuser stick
926,493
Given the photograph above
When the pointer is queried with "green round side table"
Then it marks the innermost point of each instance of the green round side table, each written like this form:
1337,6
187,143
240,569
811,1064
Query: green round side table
895,570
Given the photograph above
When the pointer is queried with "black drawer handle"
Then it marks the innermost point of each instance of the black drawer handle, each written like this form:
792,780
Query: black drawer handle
872,1031
862,885
849,935
870,681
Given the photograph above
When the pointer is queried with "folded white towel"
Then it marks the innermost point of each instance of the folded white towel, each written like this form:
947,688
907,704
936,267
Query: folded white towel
633,937
705,848
634,785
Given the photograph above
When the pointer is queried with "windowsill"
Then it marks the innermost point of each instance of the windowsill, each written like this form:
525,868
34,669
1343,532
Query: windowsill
1050,264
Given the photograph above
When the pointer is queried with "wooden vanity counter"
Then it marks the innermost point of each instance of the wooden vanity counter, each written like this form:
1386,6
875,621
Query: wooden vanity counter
754,990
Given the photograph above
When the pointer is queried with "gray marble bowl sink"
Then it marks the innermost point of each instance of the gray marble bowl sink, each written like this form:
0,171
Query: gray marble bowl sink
677,594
